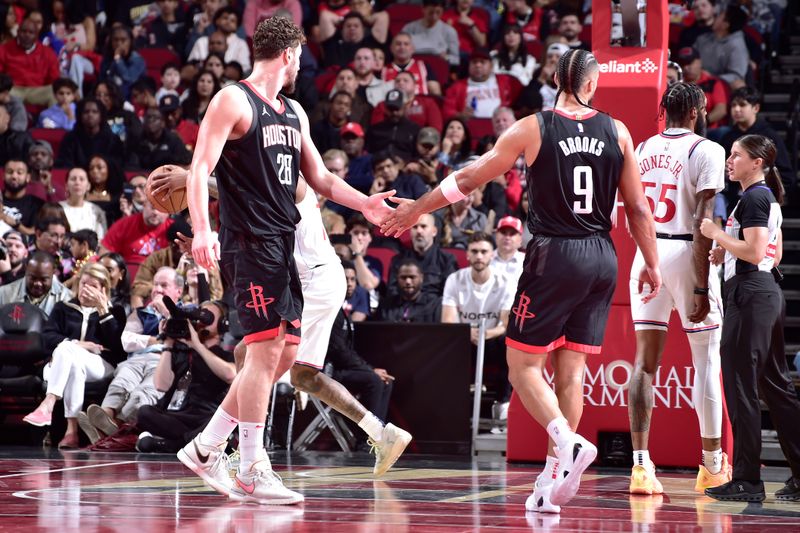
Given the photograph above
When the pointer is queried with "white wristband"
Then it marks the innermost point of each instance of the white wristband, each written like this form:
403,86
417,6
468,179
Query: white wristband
450,190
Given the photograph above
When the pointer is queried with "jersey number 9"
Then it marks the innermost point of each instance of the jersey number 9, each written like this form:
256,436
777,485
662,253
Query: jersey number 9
583,185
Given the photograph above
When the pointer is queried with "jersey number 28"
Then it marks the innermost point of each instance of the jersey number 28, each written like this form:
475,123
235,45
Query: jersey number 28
284,169
583,185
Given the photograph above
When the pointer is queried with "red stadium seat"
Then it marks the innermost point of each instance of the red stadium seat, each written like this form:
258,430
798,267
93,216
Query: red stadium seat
438,65
53,136
534,49
155,58
385,256
479,127
460,255
402,14
325,81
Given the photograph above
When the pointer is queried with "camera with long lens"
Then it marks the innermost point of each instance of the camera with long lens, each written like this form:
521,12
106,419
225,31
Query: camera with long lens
177,325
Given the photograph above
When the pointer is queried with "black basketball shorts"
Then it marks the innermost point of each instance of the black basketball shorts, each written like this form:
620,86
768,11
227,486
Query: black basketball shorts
265,282
564,294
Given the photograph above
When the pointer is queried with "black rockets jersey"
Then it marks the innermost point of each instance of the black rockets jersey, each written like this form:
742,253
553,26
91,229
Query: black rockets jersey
257,173
572,184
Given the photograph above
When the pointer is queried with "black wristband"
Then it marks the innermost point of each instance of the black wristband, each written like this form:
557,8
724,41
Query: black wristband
701,291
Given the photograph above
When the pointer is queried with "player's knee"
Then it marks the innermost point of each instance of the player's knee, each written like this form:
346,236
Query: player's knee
644,366
303,378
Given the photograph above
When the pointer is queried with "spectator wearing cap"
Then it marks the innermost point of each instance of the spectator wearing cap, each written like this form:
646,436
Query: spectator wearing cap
509,258
482,92
723,50
12,266
471,28
421,109
402,49
32,66
326,133
395,132
340,49
370,87
40,166
703,20
427,165
187,130
716,101
61,115
160,146
19,116
432,36
226,21
359,168
540,93
13,144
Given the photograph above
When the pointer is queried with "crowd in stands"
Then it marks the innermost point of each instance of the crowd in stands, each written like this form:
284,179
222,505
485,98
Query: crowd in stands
94,95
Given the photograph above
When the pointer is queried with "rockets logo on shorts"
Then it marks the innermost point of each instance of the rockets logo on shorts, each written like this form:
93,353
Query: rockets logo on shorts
521,310
257,301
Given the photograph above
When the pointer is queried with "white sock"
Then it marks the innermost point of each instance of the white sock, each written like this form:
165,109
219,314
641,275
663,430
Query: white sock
219,428
713,460
641,458
372,426
251,442
559,431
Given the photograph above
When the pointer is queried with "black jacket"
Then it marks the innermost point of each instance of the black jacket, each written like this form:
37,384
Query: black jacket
66,322
427,308
78,147
398,137
341,349
169,149
436,266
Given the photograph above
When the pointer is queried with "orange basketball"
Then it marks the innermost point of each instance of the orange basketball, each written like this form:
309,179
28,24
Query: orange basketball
167,203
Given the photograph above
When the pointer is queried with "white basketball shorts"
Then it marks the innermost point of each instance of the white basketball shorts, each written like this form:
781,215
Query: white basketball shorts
677,291
324,289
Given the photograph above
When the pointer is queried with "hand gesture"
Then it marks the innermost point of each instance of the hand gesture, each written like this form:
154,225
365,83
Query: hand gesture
184,243
375,209
168,180
91,346
716,256
701,308
205,247
710,229
403,217
384,375
125,206
159,306
652,277
46,177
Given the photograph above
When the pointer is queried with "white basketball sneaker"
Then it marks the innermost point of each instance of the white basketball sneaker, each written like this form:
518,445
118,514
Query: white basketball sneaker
539,500
391,446
576,457
262,485
208,462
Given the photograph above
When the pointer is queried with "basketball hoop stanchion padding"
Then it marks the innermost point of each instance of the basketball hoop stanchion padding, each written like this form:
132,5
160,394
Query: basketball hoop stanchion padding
632,80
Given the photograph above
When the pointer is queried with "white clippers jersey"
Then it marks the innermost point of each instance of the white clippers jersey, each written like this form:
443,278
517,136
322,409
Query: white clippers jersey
676,165
311,244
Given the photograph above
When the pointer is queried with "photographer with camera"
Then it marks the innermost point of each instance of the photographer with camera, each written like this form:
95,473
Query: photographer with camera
194,372
13,253
132,386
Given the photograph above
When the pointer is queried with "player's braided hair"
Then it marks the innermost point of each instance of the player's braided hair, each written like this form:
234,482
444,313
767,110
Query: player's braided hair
573,67
678,101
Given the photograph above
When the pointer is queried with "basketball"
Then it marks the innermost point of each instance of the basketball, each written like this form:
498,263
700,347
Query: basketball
167,203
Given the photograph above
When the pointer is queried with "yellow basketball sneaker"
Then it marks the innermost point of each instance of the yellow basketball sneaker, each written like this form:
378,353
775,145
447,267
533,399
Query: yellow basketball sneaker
644,481
707,480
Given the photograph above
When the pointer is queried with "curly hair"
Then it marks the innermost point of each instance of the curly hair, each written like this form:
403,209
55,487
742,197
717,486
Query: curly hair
273,36
679,99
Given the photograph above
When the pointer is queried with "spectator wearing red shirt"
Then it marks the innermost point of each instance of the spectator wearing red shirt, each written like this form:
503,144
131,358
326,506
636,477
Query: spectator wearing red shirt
402,49
419,108
32,66
137,236
187,130
480,94
471,27
713,87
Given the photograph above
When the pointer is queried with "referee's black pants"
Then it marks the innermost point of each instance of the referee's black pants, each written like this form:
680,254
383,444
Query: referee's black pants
753,360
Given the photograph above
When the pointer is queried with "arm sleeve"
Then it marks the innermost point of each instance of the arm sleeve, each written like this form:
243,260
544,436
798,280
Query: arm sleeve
754,210
709,166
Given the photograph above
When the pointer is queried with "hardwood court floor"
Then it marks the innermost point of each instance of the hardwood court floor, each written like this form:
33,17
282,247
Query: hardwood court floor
94,493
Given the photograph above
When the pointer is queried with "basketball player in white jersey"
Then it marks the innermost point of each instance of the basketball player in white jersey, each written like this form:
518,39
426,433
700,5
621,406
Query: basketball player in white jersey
323,284
681,172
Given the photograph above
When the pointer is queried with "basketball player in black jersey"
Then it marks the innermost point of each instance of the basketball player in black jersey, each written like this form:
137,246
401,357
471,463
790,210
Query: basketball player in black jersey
258,141
577,158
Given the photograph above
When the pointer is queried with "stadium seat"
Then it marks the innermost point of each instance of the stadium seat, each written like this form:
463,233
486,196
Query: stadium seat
402,14
385,255
51,135
459,254
155,58
438,65
479,127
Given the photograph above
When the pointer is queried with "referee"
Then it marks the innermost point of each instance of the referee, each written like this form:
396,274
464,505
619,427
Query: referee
751,246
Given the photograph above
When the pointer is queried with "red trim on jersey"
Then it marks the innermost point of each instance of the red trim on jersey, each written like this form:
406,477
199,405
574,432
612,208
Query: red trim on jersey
279,111
704,328
574,116
265,335
292,339
532,348
584,348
